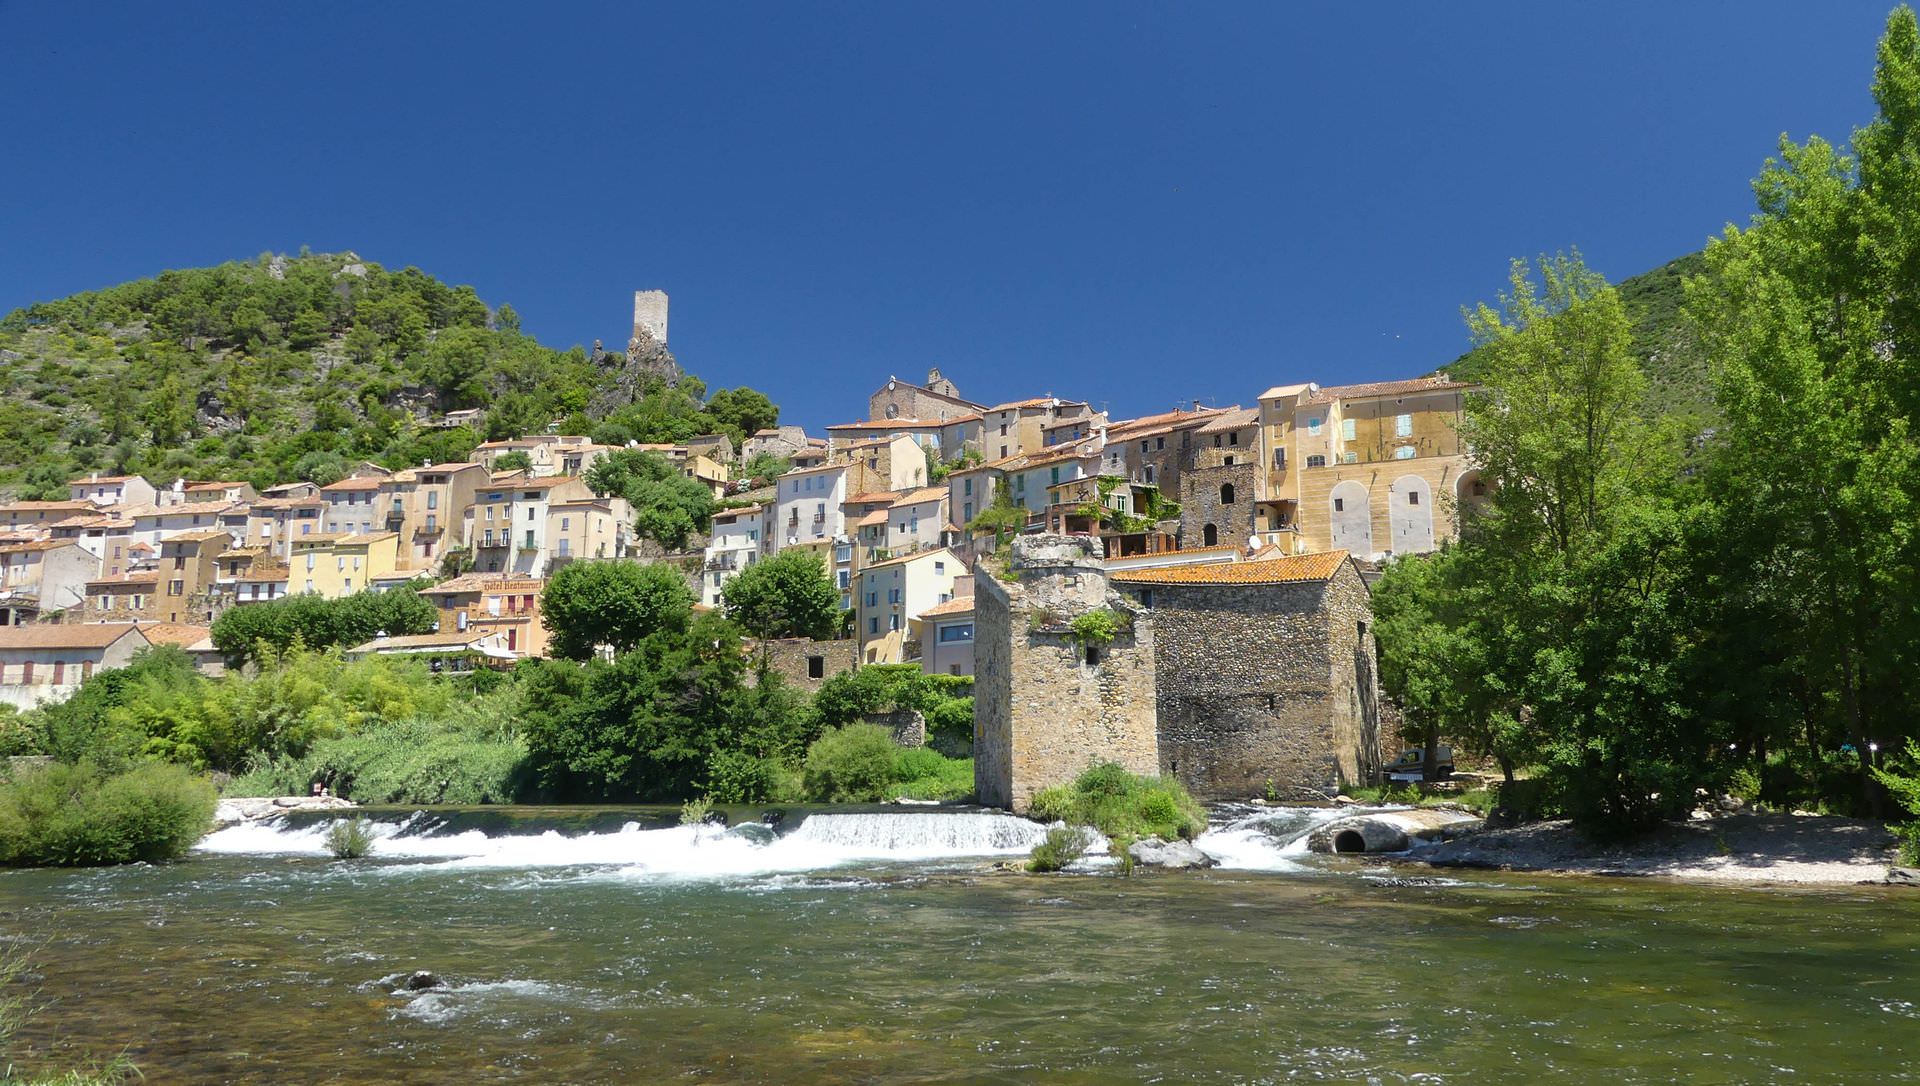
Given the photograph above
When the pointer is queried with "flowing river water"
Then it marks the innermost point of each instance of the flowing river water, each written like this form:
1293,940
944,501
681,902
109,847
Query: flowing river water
886,948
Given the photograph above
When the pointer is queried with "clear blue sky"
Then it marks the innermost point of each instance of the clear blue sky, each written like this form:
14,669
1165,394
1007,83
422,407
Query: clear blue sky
1130,203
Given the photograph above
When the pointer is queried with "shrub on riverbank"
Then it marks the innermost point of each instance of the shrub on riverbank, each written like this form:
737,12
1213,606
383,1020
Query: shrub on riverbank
83,816
1063,845
349,838
1903,781
860,763
473,755
1118,803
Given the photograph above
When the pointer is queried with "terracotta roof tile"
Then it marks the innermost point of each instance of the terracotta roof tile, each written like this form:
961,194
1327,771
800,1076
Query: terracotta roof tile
1295,568
84,635
1386,388
962,605
175,633
1233,418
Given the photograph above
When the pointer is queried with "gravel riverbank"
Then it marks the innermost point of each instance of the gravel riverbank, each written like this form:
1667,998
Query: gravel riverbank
1739,848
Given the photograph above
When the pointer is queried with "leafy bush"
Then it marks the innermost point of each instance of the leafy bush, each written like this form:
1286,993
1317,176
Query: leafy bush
1096,628
1903,780
1118,803
851,764
922,773
735,776
467,758
83,816
349,838
1529,799
1062,847
695,811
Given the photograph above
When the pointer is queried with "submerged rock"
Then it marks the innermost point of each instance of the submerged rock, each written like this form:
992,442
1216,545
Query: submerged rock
1903,876
1153,852
420,980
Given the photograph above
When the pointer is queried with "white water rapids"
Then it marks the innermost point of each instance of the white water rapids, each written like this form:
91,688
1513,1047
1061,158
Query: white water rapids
1263,839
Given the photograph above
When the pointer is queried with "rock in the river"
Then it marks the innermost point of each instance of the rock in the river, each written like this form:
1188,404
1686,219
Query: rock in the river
1175,854
1387,831
1903,876
253,809
420,980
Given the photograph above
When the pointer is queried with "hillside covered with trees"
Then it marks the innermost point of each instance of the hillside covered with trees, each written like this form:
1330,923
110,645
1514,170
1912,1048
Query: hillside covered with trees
285,368
1669,353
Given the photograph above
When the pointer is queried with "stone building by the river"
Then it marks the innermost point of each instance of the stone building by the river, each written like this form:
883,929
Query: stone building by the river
1238,679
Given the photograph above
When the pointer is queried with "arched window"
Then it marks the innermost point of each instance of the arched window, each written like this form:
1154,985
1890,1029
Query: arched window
1226,493
1209,536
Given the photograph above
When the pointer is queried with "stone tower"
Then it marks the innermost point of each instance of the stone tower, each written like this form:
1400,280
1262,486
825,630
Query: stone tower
1046,706
650,315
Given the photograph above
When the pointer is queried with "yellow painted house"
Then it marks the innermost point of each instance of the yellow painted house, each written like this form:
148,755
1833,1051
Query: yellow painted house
333,565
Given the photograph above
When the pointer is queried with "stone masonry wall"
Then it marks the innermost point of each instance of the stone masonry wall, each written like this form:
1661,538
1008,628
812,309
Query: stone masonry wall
1200,503
1046,708
1259,684
790,656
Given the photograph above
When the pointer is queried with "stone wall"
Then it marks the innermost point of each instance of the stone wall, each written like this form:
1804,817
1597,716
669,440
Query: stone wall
650,315
899,399
1201,504
792,657
1266,683
908,726
1376,505
1046,708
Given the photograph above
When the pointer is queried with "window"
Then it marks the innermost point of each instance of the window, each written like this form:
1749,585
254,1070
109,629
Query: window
433,499
1226,493
967,515
1316,461
1346,429
1404,452
1159,443
1229,461
1216,441
529,543
1339,505
1403,426
1233,438
1146,597
1003,429
1053,478
873,625
939,568
816,667
566,547
1313,425
1413,497
873,598
845,580
893,622
1209,536
960,632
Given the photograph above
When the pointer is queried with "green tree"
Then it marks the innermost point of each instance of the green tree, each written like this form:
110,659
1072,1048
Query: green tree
741,412
668,507
614,603
787,595
1813,319
516,460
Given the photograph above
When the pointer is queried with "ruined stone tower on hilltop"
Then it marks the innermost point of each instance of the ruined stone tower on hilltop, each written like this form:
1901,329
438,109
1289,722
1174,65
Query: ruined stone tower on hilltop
650,315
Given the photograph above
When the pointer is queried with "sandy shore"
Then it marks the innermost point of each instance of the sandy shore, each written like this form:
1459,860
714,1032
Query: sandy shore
1740,848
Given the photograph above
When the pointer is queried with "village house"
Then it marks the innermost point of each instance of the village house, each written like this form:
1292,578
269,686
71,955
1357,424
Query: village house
587,528
1374,469
152,523
1019,427
945,633
15,515
104,536
298,489
188,572
779,441
716,447
273,522
332,565
42,577
428,508
353,506
503,606
248,575
228,491
447,652
102,490
890,594
123,597
737,540
47,662
506,526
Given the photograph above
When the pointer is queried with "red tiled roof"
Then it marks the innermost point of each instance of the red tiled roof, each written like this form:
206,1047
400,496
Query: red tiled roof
1294,568
962,605
81,635
1386,388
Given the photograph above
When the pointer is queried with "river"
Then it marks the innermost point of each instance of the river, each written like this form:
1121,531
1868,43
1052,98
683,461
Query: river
884,948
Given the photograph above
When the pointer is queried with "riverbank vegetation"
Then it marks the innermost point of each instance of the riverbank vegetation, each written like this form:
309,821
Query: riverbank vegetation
1122,804
646,701
1644,609
85,815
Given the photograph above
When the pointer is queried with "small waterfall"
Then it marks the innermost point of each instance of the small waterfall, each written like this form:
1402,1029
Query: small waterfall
820,841
920,835
1265,838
